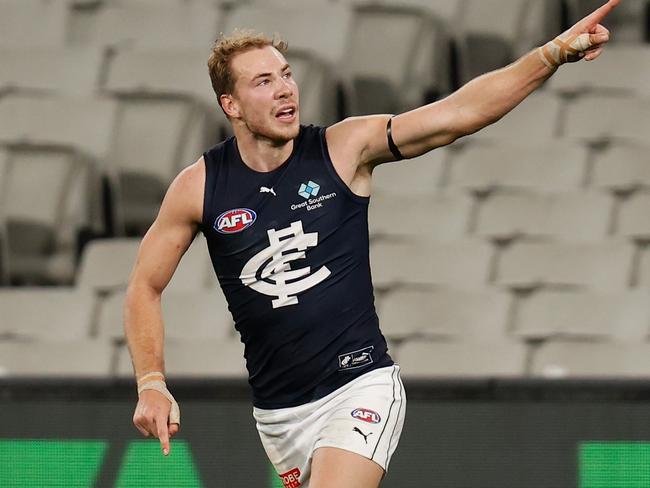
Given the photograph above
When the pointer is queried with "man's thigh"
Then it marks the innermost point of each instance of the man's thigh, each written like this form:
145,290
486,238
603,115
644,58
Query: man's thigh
337,468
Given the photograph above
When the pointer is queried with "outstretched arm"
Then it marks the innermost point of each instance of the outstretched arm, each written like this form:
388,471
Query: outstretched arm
160,252
478,104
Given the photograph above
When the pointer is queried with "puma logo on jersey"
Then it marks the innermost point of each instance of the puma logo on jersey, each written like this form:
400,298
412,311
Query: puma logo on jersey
269,271
365,436
264,189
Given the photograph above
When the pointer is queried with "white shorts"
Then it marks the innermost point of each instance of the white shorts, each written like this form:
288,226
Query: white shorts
364,416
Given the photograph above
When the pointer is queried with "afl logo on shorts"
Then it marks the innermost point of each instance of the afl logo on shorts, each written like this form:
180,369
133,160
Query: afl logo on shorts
366,415
235,220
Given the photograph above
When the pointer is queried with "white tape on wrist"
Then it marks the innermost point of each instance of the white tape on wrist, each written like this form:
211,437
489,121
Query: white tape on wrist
558,51
161,386
157,374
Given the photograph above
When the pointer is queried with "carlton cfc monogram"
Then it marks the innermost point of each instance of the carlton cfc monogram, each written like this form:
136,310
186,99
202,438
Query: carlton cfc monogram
277,273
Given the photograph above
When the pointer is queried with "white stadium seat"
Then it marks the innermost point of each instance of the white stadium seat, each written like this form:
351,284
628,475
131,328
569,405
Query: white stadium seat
542,167
605,266
628,119
205,358
419,176
196,315
420,360
587,315
592,360
444,312
33,23
622,167
465,264
46,314
438,217
569,216
78,358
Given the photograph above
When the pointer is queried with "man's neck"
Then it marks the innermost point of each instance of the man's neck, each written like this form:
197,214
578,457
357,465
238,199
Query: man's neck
261,154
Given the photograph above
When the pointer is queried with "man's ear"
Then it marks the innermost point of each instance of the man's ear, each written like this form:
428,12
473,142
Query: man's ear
229,105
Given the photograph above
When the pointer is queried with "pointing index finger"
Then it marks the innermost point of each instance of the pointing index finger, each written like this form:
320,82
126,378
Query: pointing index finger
598,15
163,435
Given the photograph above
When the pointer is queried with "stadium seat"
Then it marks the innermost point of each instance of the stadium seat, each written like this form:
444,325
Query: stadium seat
449,11
156,23
196,315
443,312
33,23
306,26
570,216
70,359
205,358
37,122
167,119
463,264
417,47
591,360
46,314
416,177
48,199
318,84
542,167
605,266
437,217
622,167
106,264
421,360
70,71
535,120
633,218
629,21
153,139
587,315
605,75
492,34
628,119
146,71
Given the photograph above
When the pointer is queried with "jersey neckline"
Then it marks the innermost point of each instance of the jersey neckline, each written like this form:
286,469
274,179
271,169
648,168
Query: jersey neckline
284,164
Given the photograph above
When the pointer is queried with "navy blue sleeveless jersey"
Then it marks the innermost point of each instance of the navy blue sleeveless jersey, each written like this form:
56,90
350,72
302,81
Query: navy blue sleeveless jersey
290,250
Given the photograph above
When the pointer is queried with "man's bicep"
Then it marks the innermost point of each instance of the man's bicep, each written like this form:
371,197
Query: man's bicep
413,133
172,232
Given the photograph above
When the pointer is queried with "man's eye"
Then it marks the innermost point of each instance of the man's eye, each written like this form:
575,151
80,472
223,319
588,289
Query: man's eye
263,82
287,74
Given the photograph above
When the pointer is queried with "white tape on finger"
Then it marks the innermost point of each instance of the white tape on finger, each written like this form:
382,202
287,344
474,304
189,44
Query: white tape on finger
161,386
559,50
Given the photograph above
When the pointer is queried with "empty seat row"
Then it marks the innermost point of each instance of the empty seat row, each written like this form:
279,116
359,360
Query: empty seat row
488,315
416,36
610,265
417,359
553,360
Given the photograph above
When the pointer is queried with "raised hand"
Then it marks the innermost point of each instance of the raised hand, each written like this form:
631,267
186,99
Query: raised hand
586,39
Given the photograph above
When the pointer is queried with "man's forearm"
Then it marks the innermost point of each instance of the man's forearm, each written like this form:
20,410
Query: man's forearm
143,327
489,97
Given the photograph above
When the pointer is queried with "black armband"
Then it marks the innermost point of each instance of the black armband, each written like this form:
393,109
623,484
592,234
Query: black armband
391,143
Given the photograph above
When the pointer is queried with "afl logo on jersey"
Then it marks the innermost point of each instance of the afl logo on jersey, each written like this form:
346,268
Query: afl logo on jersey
235,220
366,415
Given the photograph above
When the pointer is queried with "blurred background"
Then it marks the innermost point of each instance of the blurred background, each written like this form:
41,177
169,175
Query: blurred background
511,269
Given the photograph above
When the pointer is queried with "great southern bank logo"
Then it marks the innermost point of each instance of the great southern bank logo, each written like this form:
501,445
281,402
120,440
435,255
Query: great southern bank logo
309,189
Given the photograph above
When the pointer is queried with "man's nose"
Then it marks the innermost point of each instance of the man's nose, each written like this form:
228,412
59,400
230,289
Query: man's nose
285,90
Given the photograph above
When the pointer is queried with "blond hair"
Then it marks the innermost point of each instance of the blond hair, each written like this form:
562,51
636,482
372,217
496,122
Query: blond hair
227,47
